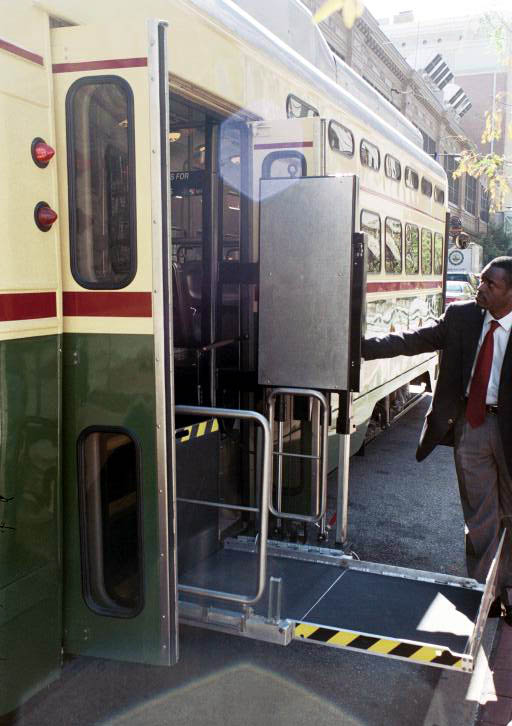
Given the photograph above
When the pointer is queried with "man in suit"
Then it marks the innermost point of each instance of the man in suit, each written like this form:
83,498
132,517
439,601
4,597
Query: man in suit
472,410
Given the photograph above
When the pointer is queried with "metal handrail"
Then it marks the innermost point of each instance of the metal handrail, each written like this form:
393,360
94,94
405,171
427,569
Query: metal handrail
262,509
321,459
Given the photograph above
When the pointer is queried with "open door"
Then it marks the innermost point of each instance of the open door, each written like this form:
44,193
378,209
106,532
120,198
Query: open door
111,89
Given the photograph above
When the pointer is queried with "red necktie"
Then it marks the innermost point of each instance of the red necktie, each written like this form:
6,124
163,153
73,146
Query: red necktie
475,409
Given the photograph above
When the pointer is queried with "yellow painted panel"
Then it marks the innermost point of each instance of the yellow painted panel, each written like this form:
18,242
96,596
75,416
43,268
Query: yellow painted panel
112,326
304,631
426,654
383,646
342,638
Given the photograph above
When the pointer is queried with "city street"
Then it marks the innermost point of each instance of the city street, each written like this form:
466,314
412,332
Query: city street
401,512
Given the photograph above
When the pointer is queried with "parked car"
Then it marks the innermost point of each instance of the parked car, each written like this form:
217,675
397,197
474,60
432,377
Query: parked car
470,277
459,290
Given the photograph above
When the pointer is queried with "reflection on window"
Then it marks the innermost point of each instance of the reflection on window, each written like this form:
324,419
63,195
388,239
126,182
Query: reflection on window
392,167
370,155
470,196
393,245
283,164
297,108
370,223
426,187
438,253
426,252
111,516
102,182
412,249
340,138
439,195
411,178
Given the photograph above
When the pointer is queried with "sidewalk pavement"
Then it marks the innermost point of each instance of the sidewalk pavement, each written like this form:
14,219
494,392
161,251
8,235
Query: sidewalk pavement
496,708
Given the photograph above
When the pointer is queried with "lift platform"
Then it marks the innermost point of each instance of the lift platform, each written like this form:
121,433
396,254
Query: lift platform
320,596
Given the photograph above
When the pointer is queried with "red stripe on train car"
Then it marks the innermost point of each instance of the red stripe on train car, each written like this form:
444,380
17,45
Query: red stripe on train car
289,145
27,306
384,286
21,52
100,65
107,304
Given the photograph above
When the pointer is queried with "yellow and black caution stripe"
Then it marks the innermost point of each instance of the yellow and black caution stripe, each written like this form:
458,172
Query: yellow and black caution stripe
185,433
383,646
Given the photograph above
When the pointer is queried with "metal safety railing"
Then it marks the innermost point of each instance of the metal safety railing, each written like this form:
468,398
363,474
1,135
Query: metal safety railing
318,457
262,510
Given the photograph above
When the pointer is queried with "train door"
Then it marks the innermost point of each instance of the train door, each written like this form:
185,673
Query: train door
111,89
30,364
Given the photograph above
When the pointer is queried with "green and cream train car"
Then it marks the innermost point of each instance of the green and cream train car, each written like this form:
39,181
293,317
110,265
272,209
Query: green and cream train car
129,285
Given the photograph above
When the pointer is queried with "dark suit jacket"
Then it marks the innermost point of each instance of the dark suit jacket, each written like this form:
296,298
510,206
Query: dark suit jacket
456,335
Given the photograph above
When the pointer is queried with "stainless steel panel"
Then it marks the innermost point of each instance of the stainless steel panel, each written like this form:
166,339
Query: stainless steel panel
306,226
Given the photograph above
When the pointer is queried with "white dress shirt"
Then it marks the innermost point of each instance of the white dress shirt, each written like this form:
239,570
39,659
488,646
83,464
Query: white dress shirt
501,336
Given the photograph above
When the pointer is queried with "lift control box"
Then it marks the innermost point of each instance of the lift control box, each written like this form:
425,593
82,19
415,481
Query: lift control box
312,283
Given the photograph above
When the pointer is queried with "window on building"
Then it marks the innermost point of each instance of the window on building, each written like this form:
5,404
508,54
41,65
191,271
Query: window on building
484,204
297,108
429,145
370,155
470,196
393,246
412,249
450,164
438,253
412,179
371,224
341,139
426,187
392,167
426,252
101,161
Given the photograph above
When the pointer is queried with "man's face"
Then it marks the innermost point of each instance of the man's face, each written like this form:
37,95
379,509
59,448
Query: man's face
494,292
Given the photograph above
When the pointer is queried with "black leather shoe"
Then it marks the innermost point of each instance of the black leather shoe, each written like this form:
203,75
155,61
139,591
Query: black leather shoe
495,609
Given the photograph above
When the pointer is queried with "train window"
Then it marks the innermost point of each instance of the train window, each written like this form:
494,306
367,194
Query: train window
101,168
411,178
284,164
297,108
412,249
426,252
439,195
109,480
426,187
393,245
370,223
438,253
370,155
340,138
392,167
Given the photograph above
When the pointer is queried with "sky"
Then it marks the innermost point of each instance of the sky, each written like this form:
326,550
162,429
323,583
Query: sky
435,8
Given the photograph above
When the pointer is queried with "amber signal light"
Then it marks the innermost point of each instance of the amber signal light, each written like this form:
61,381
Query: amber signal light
42,153
44,216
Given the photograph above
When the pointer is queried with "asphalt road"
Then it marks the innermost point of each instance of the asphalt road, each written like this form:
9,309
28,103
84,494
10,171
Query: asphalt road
401,512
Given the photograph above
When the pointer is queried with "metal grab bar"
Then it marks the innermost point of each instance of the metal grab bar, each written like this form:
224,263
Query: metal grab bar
263,508
320,457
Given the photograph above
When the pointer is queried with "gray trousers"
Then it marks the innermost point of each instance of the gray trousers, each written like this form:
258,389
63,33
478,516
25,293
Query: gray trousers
485,487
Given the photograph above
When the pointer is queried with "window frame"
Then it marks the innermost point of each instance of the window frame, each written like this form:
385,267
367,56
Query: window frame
471,202
374,146
283,154
304,104
345,128
126,89
119,611
417,228
426,187
400,271
412,186
426,229
394,178
438,235
375,214
437,192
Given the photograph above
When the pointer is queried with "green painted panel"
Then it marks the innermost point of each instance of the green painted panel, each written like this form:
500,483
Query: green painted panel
109,380
30,533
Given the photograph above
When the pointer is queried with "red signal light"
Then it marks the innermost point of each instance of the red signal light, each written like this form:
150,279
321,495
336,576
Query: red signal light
42,153
44,216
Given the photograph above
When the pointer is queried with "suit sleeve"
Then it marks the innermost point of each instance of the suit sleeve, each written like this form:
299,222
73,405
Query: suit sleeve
424,340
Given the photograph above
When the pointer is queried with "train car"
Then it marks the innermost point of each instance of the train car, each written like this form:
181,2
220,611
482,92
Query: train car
164,163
